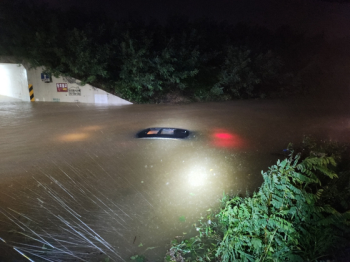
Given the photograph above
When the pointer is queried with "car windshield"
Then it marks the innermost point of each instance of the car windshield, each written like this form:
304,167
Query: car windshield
153,131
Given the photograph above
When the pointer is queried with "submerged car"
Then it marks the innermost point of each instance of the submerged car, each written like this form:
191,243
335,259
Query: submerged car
163,133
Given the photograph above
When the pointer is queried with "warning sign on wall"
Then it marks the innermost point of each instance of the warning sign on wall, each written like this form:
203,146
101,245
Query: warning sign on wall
75,91
62,87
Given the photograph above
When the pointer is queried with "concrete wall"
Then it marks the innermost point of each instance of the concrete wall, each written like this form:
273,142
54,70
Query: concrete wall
73,92
15,78
13,81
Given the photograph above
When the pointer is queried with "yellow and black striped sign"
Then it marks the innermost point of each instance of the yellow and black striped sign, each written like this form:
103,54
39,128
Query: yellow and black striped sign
31,93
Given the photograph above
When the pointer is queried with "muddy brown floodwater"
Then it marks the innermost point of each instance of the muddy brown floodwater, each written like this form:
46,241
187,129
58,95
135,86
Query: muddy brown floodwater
75,182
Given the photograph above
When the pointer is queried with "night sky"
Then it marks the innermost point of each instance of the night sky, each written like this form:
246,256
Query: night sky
311,16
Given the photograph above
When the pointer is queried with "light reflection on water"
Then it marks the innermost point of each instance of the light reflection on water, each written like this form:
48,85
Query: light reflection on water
63,162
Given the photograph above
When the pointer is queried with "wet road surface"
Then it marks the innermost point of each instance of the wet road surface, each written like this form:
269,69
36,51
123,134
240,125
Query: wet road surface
74,176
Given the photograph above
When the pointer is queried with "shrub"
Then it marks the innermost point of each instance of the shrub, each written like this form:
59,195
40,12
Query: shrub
286,220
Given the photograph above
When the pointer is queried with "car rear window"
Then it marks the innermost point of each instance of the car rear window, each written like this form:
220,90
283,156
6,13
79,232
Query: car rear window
167,131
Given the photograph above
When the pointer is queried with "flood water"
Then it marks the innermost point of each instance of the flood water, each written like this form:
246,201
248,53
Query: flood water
75,177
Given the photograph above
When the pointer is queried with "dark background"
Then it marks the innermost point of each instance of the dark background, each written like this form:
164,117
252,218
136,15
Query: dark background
312,16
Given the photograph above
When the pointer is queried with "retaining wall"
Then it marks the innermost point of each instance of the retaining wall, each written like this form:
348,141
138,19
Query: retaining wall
66,89
26,84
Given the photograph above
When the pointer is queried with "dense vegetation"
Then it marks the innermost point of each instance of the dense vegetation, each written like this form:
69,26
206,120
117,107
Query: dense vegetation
154,62
300,213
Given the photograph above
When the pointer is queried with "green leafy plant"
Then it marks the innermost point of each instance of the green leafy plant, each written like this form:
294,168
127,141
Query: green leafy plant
137,258
336,192
285,220
242,72
146,73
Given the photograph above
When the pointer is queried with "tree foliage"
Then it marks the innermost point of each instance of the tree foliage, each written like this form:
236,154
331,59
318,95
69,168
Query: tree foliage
142,62
242,72
145,73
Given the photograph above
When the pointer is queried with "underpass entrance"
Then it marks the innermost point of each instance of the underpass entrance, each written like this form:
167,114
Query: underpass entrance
14,82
